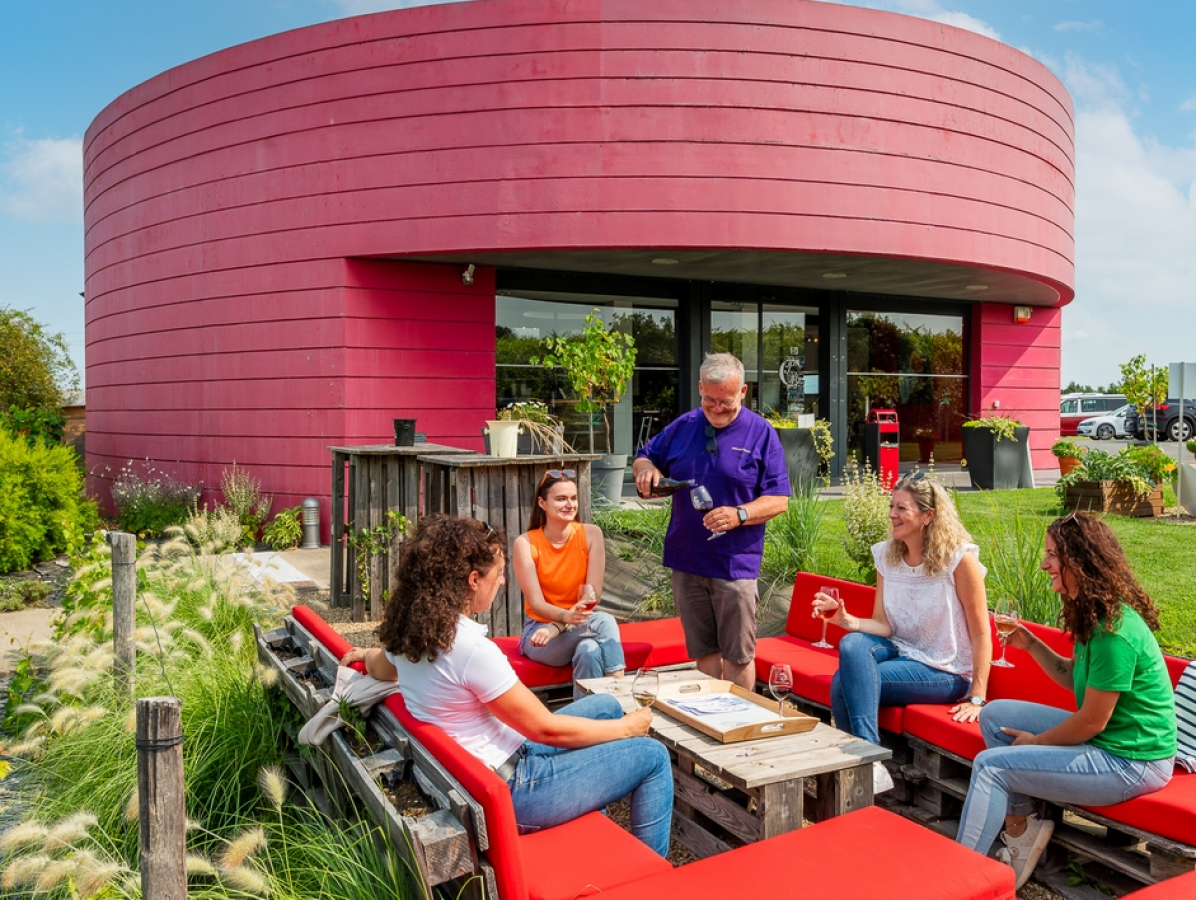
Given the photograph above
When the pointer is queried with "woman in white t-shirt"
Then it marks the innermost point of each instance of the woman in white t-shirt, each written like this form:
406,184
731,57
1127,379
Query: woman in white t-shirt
558,767
928,640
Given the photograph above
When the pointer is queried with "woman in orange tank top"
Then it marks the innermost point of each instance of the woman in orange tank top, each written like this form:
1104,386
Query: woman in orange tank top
559,564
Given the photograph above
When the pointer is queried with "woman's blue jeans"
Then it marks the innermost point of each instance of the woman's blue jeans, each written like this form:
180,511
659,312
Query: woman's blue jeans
552,785
594,648
873,674
1006,778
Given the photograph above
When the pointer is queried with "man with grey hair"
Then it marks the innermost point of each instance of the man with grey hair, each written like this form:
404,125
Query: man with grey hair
737,457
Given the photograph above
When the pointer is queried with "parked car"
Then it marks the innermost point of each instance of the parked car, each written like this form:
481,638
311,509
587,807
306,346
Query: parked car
1075,408
1141,424
1107,427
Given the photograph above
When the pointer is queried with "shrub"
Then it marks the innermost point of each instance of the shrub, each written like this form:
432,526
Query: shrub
16,595
147,504
285,530
1139,467
790,538
217,530
45,425
1066,447
866,515
243,494
43,510
1002,427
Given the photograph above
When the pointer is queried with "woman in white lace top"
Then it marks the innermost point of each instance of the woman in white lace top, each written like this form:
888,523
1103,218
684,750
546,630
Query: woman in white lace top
928,640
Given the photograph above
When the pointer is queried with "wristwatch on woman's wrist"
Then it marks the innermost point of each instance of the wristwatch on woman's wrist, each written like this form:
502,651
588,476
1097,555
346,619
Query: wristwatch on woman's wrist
977,701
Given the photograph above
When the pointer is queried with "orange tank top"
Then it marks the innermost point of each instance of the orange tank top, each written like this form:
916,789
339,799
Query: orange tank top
560,571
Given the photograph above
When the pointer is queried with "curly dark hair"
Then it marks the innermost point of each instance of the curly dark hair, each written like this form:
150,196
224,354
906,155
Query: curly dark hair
431,583
1089,549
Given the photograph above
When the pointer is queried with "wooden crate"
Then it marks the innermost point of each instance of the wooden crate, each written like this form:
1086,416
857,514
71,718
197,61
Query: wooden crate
1115,497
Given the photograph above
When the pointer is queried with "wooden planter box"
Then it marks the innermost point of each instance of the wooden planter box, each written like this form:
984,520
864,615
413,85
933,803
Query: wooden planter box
1114,497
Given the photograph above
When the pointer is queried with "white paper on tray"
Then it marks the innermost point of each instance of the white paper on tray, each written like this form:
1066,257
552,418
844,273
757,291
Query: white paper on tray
722,711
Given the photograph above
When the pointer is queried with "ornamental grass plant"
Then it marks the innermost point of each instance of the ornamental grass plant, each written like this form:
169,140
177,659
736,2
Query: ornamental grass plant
75,737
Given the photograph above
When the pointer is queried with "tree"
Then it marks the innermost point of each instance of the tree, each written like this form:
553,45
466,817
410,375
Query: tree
36,371
1144,386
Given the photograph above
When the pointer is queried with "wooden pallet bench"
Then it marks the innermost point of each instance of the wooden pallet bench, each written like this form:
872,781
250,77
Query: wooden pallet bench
1146,840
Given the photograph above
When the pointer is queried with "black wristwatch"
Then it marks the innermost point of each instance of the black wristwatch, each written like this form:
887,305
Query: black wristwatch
743,515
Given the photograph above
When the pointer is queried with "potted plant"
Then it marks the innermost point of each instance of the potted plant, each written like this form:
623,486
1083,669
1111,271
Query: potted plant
807,450
1068,452
995,448
539,430
599,363
925,437
1127,484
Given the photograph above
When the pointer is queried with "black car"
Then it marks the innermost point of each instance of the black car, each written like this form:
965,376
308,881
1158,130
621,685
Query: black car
1141,424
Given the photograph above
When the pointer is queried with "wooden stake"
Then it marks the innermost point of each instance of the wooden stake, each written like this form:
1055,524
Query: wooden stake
160,798
124,615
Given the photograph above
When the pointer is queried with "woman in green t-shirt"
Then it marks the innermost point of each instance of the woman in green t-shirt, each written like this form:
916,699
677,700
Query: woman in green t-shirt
1120,742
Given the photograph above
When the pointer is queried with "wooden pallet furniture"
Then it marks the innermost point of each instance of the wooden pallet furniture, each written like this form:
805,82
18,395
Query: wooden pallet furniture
1147,839
844,859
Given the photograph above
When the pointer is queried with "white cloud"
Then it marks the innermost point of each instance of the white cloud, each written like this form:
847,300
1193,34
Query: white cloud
1135,227
929,9
1078,26
42,179
1188,105
966,22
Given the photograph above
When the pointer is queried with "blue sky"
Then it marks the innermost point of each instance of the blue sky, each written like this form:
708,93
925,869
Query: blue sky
62,61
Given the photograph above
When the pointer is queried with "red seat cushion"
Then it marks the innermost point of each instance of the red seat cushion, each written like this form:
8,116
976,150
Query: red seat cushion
1170,813
1181,887
666,638
813,668
860,600
533,674
860,856
332,639
585,857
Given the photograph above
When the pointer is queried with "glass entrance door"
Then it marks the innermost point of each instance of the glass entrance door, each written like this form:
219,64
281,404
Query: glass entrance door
778,345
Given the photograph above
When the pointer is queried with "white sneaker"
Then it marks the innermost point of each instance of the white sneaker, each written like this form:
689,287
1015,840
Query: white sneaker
1024,851
881,779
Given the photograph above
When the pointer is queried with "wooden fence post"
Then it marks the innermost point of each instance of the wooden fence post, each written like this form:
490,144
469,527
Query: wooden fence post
160,798
124,616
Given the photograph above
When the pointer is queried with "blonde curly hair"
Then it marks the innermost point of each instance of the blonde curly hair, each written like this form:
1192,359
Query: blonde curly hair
944,535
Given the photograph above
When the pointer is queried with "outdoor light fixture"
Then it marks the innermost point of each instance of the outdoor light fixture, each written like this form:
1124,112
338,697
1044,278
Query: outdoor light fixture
977,287
834,274
665,261
1021,314
467,275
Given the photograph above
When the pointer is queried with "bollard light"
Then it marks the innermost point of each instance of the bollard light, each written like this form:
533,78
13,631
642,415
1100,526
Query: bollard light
311,524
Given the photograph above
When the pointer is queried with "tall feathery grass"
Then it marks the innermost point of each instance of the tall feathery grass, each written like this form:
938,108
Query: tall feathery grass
194,638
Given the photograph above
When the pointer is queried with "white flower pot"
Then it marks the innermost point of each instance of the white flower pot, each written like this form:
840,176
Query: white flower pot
504,438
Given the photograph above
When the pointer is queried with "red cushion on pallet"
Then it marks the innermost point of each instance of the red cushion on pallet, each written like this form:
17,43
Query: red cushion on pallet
1181,887
932,723
1027,680
860,856
332,640
859,598
665,636
1167,813
533,674
813,668
585,857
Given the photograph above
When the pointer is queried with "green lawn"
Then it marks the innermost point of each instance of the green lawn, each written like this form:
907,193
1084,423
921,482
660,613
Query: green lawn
1009,527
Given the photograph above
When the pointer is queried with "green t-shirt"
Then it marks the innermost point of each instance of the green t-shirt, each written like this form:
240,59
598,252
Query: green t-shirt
1128,660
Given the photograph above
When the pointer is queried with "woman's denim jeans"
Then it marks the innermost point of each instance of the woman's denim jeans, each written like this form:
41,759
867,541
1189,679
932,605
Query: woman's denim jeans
594,648
1005,778
872,674
552,785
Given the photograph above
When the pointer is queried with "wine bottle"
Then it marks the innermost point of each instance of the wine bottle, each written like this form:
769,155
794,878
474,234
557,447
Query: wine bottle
667,486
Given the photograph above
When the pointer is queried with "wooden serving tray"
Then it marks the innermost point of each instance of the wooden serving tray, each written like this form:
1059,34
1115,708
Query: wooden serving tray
760,721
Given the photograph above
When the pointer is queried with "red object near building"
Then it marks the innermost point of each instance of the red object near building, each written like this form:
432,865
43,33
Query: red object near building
276,234
882,444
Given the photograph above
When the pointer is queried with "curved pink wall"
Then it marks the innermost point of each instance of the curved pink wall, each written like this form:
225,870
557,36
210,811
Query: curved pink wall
224,197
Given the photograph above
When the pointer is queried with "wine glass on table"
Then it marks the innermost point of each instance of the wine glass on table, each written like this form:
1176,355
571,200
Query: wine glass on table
780,684
703,503
825,615
1005,618
645,687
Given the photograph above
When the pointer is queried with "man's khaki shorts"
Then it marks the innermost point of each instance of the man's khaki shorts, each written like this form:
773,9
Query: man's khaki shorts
718,616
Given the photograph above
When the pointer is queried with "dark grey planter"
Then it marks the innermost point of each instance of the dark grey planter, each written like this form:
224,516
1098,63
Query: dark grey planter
606,478
801,459
997,465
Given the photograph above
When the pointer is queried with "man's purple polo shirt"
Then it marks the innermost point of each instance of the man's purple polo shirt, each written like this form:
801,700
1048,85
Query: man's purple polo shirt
750,463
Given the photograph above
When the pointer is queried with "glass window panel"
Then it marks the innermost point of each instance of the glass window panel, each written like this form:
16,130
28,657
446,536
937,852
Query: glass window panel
524,320
789,372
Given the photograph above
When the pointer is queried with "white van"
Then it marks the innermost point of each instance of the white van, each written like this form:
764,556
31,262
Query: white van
1075,408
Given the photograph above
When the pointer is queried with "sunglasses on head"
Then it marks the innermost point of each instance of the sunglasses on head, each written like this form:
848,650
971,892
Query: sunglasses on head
559,475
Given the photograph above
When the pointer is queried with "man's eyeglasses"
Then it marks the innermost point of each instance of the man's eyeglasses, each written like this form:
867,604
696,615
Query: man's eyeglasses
711,443
719,404
559,475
